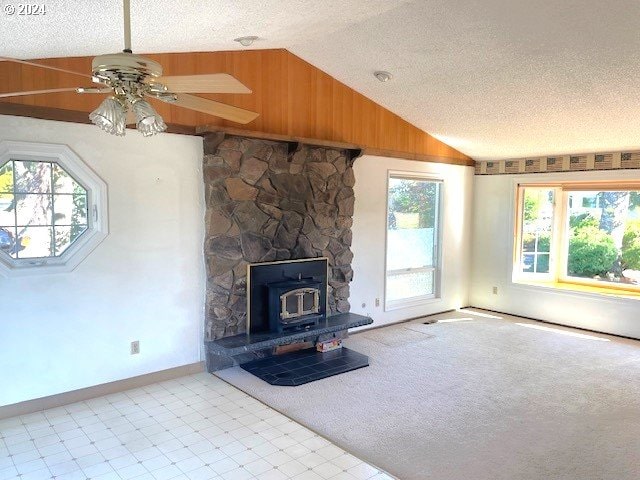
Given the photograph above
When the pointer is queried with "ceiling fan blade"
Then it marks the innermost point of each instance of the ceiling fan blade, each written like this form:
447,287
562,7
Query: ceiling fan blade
211,107
55,90
208,83
34,64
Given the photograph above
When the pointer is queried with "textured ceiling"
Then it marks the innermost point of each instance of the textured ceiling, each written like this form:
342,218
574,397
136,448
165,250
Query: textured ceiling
493,78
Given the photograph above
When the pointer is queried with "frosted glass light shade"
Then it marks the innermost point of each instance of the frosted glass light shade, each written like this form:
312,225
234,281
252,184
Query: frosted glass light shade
110,116
148,122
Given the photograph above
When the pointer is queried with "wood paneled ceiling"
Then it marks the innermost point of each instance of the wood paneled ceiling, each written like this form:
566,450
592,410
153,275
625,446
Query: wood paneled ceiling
295,100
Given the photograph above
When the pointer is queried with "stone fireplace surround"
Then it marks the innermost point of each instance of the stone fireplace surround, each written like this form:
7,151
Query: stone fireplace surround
269,201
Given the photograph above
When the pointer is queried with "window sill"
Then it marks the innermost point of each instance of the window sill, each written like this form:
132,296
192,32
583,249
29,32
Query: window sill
614,292
410,302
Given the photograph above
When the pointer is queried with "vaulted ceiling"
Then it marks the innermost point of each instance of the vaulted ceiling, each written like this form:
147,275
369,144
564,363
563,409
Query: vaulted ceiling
493,78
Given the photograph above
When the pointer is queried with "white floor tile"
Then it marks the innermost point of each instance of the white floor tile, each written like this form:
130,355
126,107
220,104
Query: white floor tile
156,463
224,465
193,428
131,471
8,472
293,468
97,469
308,475
202,473
327,470
165,473
190,464
363,471
31,466
64,467
272,475
36,475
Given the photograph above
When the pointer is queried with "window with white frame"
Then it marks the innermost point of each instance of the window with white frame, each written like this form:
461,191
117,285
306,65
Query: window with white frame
413,239
579,233
50,208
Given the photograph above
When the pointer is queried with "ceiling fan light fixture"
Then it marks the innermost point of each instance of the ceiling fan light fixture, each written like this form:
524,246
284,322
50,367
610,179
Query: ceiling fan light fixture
148,121
246,41
110,116
129,78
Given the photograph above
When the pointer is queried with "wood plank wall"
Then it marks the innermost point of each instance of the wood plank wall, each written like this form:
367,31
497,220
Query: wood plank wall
294,99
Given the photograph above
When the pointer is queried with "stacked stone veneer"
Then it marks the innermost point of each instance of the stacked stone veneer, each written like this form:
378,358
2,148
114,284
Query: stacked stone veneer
263,205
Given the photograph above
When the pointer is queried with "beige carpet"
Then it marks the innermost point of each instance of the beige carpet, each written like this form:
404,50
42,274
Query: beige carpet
484,398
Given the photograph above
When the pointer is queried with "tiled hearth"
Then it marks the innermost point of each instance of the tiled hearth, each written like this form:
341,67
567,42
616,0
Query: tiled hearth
196,428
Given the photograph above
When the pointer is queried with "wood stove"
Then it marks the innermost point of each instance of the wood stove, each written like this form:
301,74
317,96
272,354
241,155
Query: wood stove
294,304
286,296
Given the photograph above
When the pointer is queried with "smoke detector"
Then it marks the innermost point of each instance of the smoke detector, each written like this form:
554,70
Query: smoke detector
246,41
383,76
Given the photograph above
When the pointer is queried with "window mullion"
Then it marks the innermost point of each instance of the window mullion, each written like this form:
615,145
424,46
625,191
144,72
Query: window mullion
562,243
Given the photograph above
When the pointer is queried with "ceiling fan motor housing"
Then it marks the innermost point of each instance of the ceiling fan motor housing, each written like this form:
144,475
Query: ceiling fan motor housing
124,67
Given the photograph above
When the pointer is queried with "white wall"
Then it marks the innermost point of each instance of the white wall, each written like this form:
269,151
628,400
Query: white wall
492,257
144,282
369,225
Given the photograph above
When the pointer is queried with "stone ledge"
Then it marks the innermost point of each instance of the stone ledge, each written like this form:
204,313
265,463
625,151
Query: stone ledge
246,343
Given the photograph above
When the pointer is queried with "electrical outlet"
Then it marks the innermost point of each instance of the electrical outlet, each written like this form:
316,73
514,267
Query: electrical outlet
377,302
135,347
495,290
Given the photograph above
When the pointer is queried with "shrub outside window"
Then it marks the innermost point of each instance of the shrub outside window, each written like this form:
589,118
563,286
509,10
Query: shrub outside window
50,208
581,233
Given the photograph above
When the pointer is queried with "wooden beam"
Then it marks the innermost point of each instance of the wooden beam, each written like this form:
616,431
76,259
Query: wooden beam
418,157
239,132
355,151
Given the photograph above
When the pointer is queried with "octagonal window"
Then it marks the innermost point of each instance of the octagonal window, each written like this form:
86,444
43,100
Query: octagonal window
50,208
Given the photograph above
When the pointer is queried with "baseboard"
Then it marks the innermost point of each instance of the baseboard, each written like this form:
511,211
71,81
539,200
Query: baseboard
558,324
373,326
60,399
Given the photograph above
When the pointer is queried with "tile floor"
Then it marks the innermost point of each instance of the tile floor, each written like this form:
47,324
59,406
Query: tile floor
196,427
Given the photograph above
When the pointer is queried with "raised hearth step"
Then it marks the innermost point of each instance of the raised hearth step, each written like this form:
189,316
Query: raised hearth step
245,342
304,366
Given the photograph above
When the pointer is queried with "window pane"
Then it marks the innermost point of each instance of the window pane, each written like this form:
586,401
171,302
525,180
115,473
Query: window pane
412,215
7,214
528,263
35,242
65,236
542,263
70,209
6,178
405,285
64,183
29,211
32,177
412,234
537,224
34,209
8,240
604,236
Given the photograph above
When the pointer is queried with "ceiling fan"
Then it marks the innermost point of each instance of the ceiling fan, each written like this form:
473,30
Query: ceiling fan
129,78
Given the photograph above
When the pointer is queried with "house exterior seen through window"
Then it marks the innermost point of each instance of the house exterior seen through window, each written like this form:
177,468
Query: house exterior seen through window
50,204
43,209
580,234
413,240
